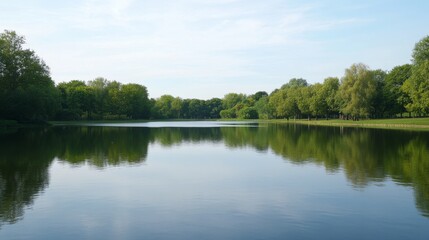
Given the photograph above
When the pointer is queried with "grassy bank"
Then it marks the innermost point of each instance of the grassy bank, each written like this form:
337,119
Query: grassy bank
398,123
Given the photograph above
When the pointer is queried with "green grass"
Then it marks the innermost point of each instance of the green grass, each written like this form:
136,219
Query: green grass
397,123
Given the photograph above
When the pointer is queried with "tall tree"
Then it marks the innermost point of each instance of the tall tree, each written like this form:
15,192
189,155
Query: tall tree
378,104
99,86
330,90
263,108
27,92
232,99
258,95
114,103
176,107
163,106
197,109
136,101
421,51
357,91
417,88
304,96
284,101
214,106
296,83
228,113
395,98
77,99
318,104
248,113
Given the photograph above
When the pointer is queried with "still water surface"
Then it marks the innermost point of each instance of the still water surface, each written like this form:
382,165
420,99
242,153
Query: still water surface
210,180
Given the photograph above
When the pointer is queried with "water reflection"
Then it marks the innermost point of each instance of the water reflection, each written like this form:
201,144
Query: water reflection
365,155
24,161
101,147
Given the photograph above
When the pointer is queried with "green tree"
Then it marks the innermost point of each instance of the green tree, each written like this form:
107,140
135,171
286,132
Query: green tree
197,109
296,83
304,98
395,98
214,106
421,51
136,101
258,95
248,113
76,99
27,92
232,99
285,100
99,86
114,102
284,104
176,107
318,104
378,104
323,102
163,107
228,113
417,88
357,91
330,90
185,109
263,108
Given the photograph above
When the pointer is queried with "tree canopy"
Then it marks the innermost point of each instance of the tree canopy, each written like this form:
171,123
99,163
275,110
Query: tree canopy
417,88
421,51
358,88
27,92
103,99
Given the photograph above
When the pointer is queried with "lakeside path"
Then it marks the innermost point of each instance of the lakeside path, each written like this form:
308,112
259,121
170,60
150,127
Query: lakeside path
398,123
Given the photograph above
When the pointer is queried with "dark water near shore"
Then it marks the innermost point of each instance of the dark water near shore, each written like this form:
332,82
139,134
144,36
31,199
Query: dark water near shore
211,180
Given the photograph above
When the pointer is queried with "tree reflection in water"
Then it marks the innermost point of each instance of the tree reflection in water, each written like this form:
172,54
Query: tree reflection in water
25,157
365,155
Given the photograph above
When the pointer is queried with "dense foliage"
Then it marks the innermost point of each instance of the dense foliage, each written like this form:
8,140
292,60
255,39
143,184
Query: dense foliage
27,93
103,99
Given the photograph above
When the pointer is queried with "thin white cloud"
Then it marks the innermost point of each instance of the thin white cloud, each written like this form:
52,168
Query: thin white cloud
99,13
152,41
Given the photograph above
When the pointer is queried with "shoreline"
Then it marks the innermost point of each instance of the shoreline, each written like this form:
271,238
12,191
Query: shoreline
418,124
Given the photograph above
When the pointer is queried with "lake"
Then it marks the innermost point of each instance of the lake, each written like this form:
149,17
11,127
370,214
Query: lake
213,180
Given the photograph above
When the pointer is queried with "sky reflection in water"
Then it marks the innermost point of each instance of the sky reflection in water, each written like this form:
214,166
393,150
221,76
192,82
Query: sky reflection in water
271,182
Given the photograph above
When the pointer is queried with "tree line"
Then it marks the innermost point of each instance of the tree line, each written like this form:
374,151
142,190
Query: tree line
27,93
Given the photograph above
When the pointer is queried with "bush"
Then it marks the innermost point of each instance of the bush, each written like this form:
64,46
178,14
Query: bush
227,113
248,113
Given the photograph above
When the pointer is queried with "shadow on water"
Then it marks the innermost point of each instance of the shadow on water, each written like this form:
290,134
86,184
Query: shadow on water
364,155
25,157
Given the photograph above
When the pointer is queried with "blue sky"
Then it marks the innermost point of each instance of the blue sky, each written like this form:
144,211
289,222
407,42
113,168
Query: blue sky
207,48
